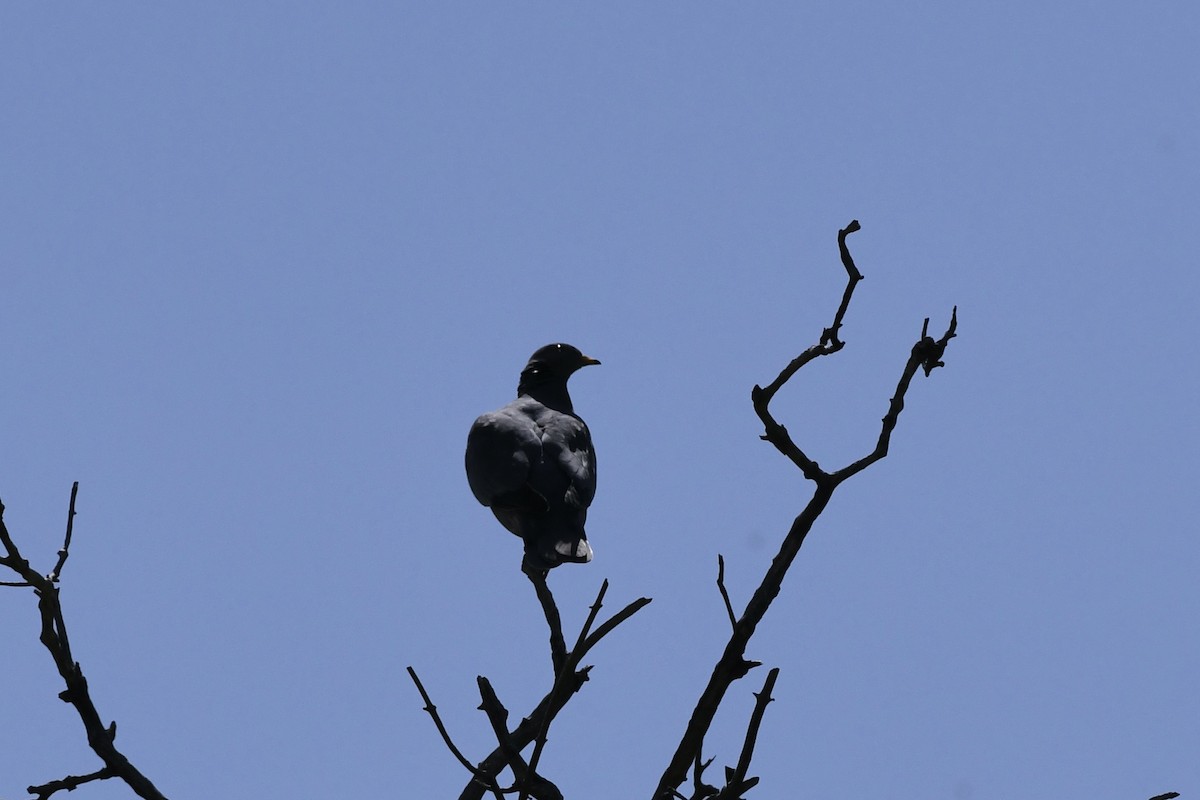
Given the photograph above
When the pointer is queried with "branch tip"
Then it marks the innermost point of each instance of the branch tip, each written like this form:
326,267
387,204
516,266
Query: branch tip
724,591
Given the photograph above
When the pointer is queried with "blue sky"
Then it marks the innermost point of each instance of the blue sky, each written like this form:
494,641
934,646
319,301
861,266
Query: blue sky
264,263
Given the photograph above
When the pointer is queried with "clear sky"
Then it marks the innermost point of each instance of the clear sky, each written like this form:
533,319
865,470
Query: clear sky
263,263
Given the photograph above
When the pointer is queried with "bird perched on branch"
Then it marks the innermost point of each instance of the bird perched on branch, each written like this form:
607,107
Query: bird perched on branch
532,461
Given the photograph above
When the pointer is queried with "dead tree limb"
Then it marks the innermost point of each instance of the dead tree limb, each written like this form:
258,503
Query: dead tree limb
527,778
69,783
54,637
66,548
558,645
926,354
431,709
533,729
725,592
736,782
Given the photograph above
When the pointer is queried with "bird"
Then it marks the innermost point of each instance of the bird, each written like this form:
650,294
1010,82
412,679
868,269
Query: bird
533,464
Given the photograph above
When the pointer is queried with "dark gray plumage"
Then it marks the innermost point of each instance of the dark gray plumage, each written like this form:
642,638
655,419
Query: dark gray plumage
532,461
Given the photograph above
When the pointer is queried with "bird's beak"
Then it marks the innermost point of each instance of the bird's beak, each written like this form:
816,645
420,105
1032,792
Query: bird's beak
588,361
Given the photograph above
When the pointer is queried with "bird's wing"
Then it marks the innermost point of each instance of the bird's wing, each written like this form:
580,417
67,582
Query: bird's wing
567,444
503,448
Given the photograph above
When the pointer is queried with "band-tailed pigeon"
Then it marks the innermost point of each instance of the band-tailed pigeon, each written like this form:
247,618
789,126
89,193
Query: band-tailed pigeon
532,461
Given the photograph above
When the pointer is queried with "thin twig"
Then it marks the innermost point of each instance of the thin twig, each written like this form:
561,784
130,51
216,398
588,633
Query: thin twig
737,784
66,548
607,626
593,610
926,354
724,593
69,783
12,559
830,334
431,709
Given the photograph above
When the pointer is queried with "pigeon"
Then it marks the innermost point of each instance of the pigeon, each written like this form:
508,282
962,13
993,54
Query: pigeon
532,462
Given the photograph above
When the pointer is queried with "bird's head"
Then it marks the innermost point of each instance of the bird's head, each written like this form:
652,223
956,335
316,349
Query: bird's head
553,363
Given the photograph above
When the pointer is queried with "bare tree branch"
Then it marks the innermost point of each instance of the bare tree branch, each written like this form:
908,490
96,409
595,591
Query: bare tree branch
593,611
828,344
431,709
583,643
522,735
534,727
732,664
66,548
54,637
497,715
530,782
736,782
830,334
700,789
558,646
69,783
926,354
607,626
572,660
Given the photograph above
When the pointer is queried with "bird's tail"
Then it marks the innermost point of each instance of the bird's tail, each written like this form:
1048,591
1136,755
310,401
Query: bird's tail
554,549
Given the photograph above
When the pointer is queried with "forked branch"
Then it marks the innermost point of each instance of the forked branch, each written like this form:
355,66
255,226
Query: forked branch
533,729
828,344
54,637
531,784
926,354
736,782
431,709
732,665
